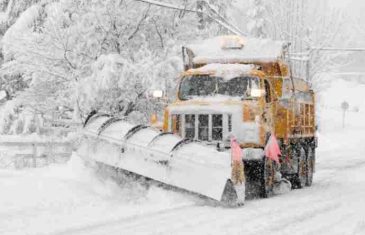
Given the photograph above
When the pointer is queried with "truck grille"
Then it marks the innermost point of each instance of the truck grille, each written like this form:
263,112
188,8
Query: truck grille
217,127
204,127
190,126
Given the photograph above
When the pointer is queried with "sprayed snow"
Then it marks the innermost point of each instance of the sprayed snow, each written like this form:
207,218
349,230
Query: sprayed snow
226,71
59,199
254,49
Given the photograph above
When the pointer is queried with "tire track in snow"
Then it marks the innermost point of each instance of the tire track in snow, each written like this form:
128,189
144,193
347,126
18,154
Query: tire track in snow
282,223
89,228
157,223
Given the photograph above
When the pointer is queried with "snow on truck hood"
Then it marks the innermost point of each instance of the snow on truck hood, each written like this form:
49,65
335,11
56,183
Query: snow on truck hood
253,49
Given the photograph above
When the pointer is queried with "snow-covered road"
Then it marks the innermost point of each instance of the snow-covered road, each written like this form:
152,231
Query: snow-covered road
71,199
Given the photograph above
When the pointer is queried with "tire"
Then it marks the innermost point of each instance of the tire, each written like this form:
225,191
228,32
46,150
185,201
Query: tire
268,178
310,162
301,176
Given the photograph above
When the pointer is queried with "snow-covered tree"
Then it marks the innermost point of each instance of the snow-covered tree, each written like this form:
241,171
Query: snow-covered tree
10,10
105,55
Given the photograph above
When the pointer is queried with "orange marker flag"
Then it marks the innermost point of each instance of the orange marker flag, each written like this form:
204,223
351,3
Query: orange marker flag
272,149
236,151
238,175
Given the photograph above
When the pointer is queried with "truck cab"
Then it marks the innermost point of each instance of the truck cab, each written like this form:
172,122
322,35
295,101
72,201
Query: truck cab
216,101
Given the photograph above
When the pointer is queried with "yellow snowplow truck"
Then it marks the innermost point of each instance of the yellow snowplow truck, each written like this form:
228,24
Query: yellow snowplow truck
243,86
231,87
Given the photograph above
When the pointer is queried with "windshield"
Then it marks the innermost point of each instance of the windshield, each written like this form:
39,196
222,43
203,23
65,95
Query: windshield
205,85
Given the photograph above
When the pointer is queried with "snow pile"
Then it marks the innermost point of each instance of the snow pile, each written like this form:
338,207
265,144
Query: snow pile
226,71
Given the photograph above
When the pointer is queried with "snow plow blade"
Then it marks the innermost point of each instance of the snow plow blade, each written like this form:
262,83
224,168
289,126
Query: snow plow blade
163,157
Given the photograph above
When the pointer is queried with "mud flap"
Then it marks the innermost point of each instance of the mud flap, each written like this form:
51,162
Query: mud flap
233,195
235,190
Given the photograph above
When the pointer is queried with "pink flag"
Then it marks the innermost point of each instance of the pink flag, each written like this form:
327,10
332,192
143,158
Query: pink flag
272,149
236,152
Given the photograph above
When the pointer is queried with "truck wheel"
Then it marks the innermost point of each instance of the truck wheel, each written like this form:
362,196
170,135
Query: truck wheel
301,176
269,174
310,167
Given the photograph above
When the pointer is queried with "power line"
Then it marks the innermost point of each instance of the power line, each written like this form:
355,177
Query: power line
353,49
230,27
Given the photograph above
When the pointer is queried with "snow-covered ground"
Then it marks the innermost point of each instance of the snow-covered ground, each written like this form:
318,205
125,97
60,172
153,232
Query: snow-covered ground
71,199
